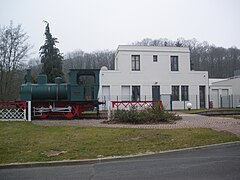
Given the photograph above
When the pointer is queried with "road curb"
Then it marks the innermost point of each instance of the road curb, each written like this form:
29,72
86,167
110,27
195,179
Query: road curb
105,159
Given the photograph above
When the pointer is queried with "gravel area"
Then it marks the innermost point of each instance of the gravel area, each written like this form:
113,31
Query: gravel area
188,121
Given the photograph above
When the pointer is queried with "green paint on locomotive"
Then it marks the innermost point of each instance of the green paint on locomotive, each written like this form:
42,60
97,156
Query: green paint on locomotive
83,85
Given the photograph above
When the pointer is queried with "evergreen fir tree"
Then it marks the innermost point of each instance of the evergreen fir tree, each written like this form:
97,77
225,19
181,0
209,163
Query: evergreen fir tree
51,57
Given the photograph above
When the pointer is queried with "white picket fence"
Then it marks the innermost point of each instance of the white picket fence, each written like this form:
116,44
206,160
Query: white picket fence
15,111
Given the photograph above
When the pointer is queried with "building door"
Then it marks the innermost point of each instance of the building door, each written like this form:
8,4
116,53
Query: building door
202,96
155,93
105,96
215,98
225,98
126,93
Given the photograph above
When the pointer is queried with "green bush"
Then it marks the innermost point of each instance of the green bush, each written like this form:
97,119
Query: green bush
151,115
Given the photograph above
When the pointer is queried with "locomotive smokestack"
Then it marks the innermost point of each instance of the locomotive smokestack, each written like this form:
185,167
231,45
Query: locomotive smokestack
29,76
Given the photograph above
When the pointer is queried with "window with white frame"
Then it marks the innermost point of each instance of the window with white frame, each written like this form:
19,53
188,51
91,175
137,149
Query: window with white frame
175,93
135,93
126,96
174,63
184,93
135,62
155,58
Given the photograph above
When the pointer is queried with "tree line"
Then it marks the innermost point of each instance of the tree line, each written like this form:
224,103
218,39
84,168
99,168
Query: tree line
14,48
95,60
218,61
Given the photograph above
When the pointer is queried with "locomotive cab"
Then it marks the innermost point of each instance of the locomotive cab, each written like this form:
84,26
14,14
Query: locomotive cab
83,84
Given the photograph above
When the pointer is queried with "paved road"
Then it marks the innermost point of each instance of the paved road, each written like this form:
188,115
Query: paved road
219,162
188,121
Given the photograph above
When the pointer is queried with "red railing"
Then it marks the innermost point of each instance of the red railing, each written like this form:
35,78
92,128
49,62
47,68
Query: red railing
135,104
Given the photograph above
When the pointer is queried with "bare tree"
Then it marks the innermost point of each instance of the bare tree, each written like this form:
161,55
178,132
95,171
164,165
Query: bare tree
13,49
97,59
36,66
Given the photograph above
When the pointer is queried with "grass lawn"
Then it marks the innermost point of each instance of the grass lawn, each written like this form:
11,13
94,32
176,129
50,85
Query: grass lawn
194,111
235,116
231,116
26,142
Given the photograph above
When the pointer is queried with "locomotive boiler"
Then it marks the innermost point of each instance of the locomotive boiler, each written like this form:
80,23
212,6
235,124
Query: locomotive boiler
70,99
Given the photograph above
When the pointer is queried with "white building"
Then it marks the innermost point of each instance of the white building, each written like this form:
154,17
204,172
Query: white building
225,92
151,73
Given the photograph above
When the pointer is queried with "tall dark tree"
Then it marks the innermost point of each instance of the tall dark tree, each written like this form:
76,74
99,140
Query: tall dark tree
51,56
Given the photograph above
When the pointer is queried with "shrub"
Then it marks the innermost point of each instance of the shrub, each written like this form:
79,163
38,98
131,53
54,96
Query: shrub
151,115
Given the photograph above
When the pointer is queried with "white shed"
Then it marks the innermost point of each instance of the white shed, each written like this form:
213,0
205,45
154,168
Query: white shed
225,92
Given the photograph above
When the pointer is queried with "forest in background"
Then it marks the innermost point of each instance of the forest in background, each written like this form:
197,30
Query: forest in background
218,61
14,47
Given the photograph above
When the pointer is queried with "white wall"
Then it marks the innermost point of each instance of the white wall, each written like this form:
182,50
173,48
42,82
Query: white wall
234,83
225,93
154,73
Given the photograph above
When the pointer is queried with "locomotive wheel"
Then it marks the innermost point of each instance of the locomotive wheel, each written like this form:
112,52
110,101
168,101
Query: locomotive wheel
44,115
76,112
69,115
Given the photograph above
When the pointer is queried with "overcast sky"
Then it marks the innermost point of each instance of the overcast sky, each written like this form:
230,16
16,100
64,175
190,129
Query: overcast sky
92,25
